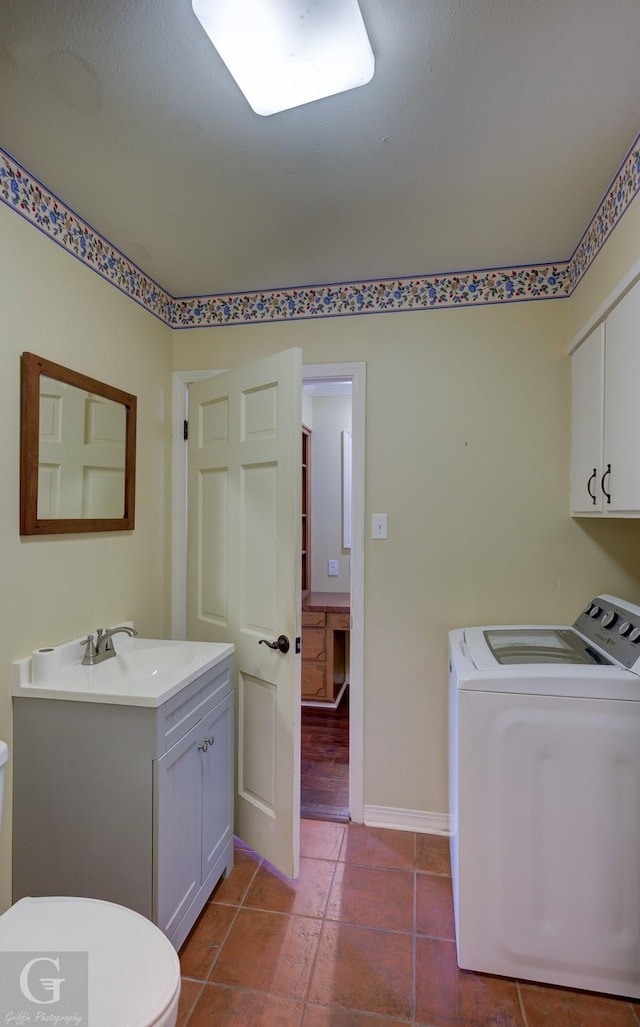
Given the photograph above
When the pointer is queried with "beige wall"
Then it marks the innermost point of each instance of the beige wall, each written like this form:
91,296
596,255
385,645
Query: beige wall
56,588
616,259
331,416
467,434
467,450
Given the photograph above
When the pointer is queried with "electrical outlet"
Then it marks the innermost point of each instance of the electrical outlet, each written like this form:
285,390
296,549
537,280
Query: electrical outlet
332,568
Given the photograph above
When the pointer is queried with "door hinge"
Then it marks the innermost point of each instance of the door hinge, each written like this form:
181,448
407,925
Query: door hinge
186,431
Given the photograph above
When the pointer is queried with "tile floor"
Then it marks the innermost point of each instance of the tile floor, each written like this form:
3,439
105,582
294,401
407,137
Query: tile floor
364,938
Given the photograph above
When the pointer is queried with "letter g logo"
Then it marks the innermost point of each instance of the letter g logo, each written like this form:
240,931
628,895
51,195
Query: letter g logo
48,984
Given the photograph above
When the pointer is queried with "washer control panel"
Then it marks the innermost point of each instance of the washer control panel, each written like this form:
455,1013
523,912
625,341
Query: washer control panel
613,626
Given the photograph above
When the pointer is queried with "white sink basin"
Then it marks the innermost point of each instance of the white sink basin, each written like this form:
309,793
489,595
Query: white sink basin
144,671
144,660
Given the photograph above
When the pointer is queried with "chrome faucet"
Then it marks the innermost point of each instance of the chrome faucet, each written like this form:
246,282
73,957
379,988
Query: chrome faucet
101,647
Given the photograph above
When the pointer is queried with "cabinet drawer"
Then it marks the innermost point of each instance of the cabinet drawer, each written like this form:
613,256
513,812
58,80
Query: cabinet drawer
339,621
179,714
314,681
313,620
313,644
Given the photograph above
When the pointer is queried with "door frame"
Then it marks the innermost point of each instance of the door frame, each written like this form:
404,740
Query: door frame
357,373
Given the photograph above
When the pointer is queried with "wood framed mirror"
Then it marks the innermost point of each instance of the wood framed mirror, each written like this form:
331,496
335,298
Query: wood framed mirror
77,452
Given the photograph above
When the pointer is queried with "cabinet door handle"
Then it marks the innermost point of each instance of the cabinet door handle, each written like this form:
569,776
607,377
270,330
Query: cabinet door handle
203,746
282,643
211,740
592,495
606,475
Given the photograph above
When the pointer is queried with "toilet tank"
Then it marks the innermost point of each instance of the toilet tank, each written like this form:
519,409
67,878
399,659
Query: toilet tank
4,756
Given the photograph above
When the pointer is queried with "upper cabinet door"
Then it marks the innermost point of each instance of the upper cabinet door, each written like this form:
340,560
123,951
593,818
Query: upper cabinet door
622,406
587,423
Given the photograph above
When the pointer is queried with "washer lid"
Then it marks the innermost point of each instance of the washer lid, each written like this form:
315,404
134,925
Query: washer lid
541,645
134,971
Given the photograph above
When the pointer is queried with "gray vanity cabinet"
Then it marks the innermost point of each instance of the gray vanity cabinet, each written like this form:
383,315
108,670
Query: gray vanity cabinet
131,804
193,787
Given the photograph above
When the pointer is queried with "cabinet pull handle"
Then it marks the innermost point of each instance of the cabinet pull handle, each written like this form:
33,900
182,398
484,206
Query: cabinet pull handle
606,475
592,495
207,742
282,643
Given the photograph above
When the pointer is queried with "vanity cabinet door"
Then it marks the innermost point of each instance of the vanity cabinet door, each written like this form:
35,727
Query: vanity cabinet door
217,786
193,785
178,829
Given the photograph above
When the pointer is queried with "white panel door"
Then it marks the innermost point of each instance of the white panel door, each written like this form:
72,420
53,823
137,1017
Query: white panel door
243,579
587,424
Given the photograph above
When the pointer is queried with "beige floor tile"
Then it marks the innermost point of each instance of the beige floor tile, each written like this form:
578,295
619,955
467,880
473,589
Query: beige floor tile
306,896
321,839
268,952
372,897
365,970
224,1007
377,847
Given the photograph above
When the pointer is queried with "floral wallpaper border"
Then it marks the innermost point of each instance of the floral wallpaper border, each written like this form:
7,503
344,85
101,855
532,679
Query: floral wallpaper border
34,202
29,198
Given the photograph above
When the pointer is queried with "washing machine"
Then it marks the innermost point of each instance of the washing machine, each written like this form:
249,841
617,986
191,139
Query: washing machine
545,799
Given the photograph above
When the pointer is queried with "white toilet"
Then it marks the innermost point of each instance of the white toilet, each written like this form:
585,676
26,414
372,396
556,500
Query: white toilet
134,971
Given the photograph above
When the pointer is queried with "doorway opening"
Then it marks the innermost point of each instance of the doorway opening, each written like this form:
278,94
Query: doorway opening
356,374
326,597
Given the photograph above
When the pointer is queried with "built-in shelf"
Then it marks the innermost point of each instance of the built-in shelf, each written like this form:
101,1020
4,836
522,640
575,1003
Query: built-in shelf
306,509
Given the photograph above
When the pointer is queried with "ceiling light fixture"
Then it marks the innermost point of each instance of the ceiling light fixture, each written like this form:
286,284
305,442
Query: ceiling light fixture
284,53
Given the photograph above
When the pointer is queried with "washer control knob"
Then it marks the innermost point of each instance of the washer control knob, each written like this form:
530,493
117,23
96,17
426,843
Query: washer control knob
635,636
609,619
595,611
625,628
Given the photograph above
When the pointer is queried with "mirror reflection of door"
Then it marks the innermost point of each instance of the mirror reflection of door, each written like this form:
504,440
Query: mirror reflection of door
81,466
326,610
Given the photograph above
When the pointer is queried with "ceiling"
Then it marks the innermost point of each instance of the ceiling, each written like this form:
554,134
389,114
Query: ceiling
487,138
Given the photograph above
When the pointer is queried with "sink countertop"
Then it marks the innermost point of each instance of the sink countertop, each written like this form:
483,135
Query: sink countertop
103,683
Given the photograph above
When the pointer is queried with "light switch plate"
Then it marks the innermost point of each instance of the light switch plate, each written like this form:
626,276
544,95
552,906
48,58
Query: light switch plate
379,526
332,568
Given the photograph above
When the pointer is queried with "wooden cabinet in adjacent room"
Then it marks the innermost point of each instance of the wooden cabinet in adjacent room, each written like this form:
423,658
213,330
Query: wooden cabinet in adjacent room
326,623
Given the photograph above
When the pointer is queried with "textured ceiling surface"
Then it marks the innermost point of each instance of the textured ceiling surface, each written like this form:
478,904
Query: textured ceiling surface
487,138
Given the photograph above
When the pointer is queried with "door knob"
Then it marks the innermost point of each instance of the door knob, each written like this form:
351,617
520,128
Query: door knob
282,643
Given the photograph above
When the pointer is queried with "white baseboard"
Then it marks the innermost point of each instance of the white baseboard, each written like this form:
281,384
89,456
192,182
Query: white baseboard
326,705
407,819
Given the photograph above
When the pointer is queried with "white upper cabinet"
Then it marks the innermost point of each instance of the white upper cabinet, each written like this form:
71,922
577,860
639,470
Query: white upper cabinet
605,457
587,424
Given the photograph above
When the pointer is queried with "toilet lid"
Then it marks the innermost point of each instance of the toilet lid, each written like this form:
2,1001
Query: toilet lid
134,971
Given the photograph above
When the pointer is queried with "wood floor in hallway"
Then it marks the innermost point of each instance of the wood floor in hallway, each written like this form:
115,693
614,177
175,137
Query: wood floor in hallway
324,772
